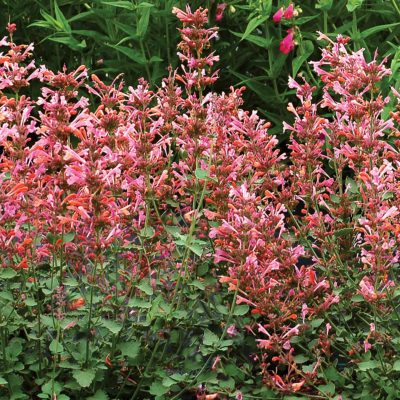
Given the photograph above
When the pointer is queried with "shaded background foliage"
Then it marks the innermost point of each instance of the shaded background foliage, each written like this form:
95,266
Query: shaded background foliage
138,38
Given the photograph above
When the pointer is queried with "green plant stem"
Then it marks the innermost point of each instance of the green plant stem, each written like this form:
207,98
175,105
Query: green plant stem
396,6
325,15
221,338
89,325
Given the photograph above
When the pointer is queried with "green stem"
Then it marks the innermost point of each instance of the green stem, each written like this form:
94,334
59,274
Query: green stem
89,326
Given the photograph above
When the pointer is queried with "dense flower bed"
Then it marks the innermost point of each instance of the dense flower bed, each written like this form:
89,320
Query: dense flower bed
160,245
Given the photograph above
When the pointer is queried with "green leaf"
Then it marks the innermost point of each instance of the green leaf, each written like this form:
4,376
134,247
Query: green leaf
99,395
327,389
241,310
324,5
201,173
353,4
113,326
196,248
130,349
69,41
200,285
121,4
130,53
307,49
30,302
343,232
144,13
7,273
210,338
145,287
158,389
396,365
352,186
56,347
357,298
61,19
257,40
317,322
14,349
300,359
366,365
253,23
68,237
3,381
368,32
84,377
147,232
70,282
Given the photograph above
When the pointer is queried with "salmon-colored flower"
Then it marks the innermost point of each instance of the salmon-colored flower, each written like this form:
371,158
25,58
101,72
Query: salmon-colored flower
78,303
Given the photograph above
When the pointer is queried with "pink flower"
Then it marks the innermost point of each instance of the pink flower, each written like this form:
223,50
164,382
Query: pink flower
367,346
232,331
289,12
11,27
367,290
287,44
220,11
277,17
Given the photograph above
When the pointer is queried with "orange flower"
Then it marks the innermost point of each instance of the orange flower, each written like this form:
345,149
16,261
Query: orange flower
77,303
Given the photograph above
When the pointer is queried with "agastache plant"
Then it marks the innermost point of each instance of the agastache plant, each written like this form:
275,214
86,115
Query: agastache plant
137,225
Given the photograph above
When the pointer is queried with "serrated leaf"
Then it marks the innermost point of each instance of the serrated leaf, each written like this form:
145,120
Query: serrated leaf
130,349
68,237
7,273
327,389
56,347
99,395
70,282
366,365
201,173
241,310
200,285
30,302
396,365
196,248
300,359
84,377
145,287
112,326
147,232
158,389
210,338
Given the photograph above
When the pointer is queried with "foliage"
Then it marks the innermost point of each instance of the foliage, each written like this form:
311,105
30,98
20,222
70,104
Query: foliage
138,38
159,244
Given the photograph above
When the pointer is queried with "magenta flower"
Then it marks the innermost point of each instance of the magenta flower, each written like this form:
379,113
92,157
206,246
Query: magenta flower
287,44
289,12
220,11
277,17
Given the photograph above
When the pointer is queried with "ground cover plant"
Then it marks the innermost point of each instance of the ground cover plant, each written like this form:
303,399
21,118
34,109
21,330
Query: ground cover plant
159,244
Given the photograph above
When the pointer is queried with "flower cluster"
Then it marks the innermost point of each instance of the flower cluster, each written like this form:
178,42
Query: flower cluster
151,185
